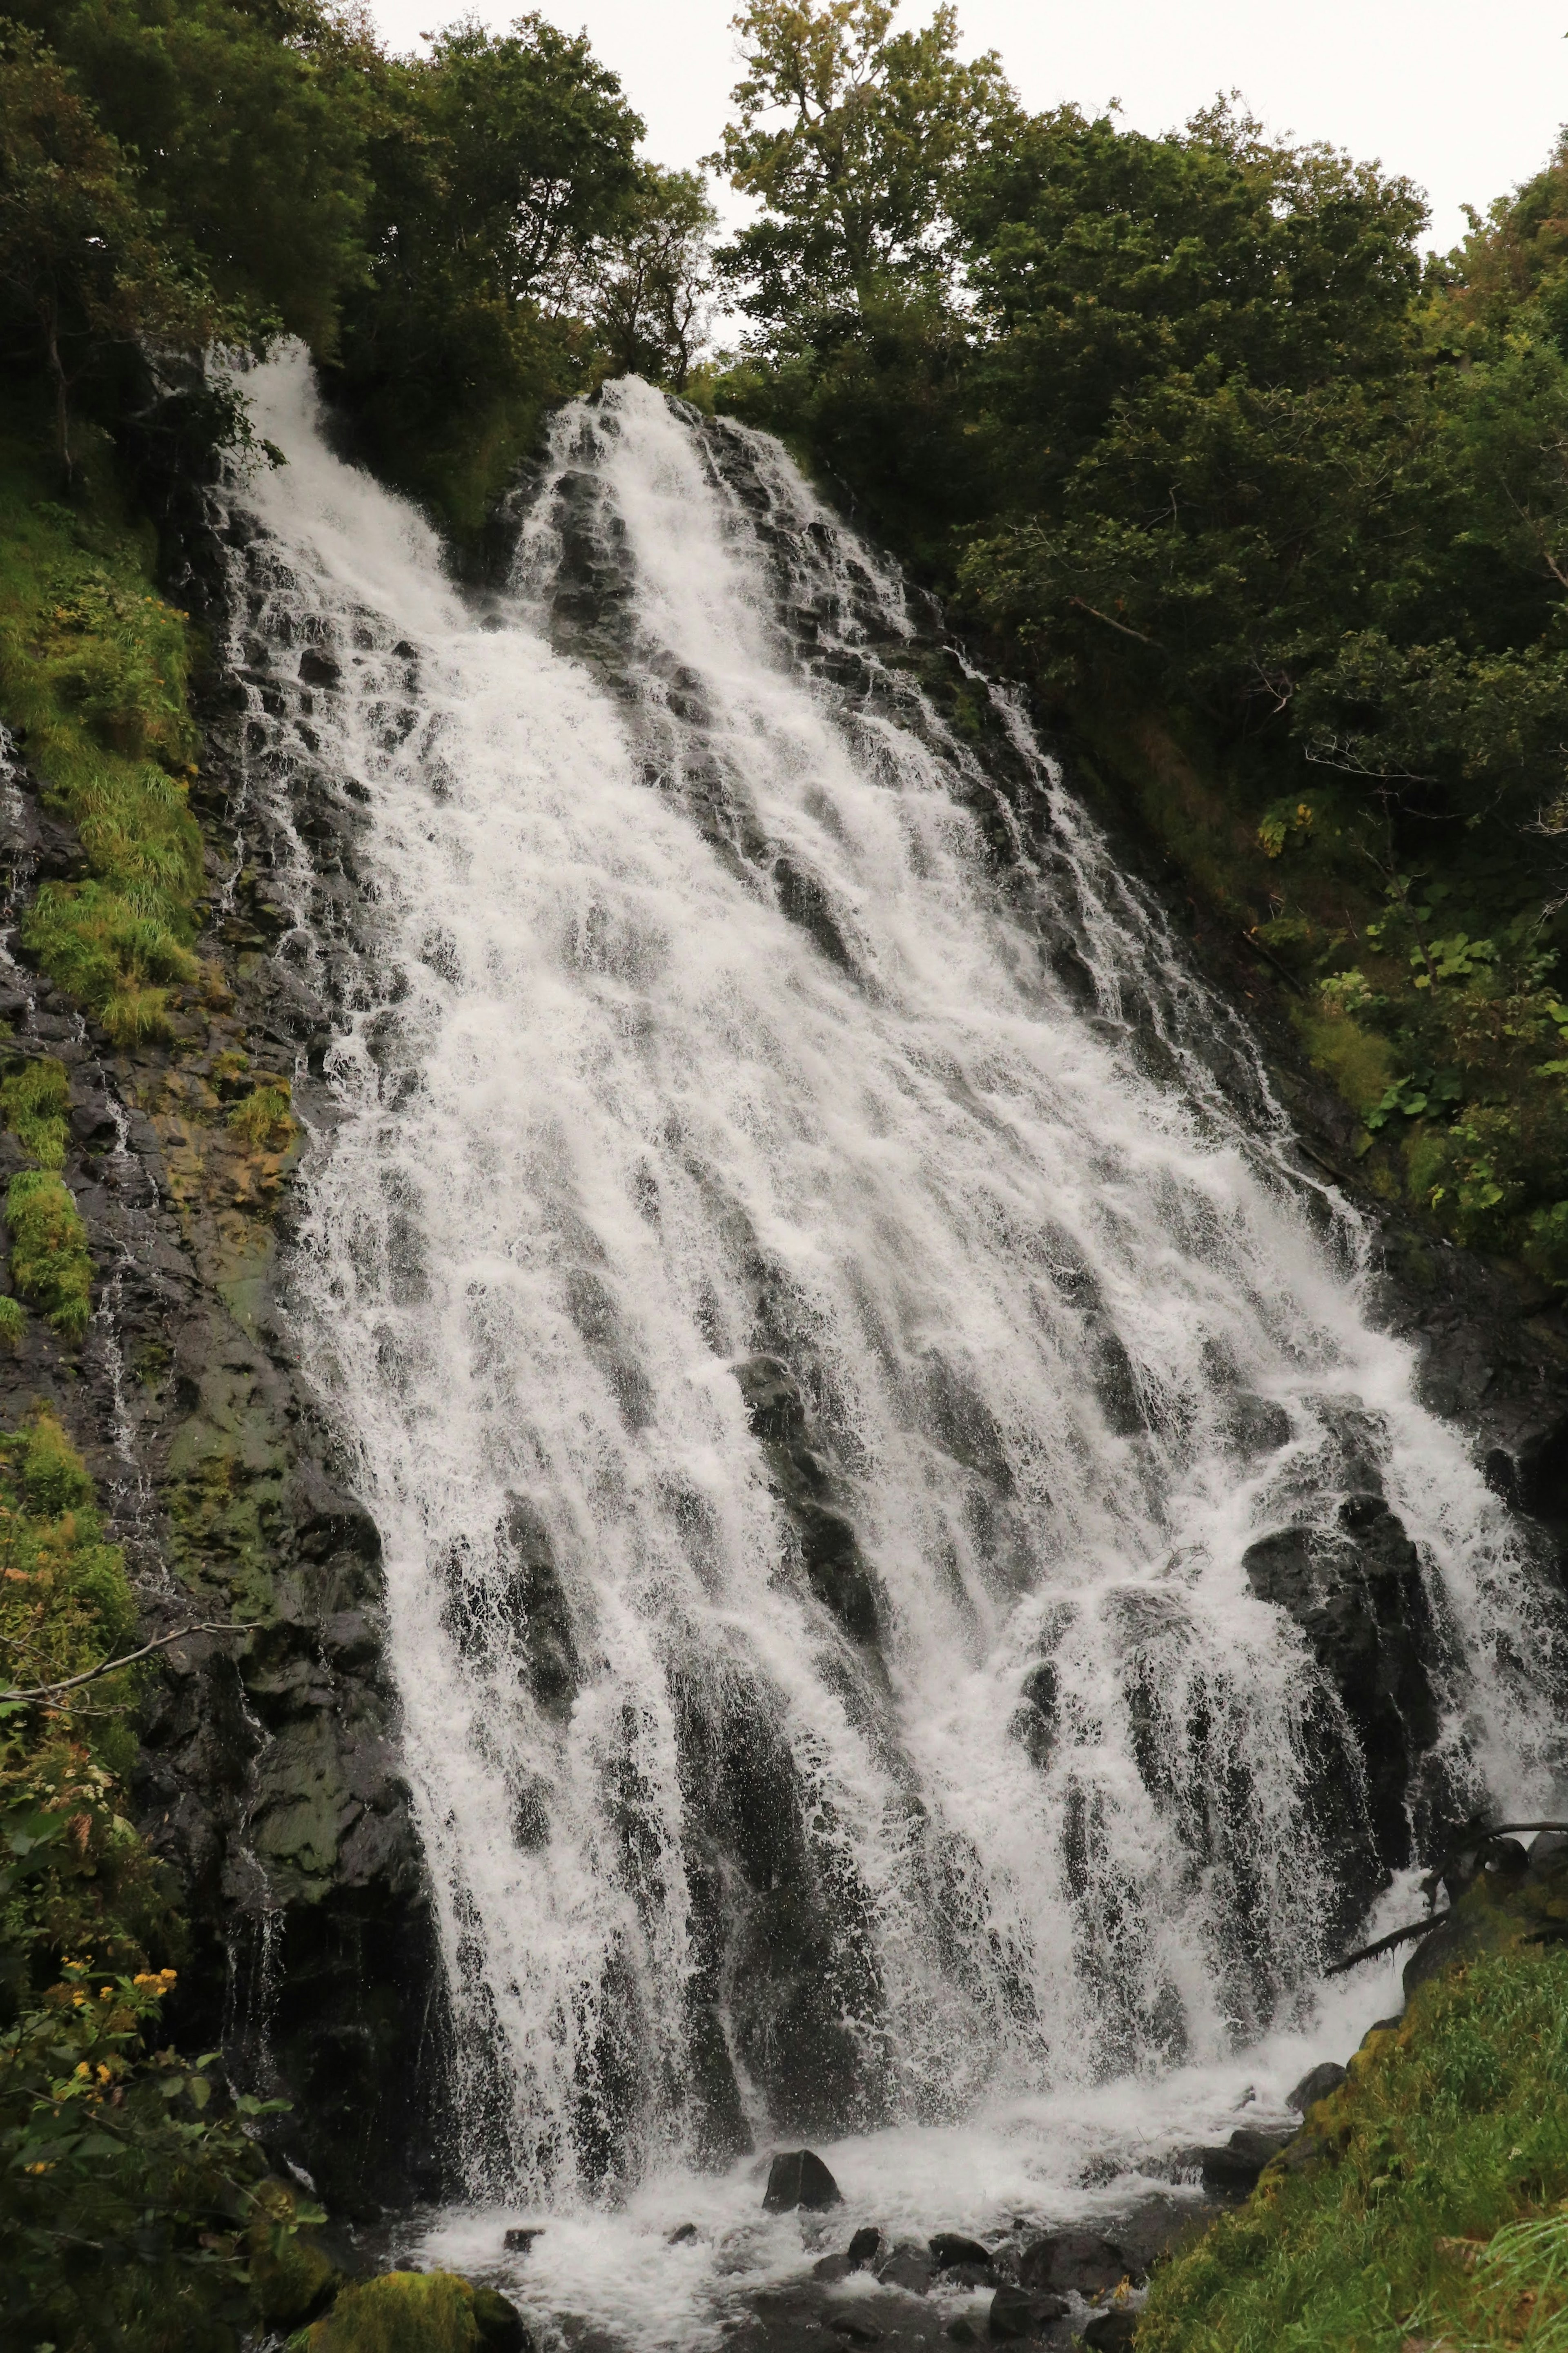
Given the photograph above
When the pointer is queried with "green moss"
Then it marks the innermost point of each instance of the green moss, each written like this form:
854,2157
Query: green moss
1452,2128
50,1261
34,1102
13,1323
415,2312
1359,1062
94,666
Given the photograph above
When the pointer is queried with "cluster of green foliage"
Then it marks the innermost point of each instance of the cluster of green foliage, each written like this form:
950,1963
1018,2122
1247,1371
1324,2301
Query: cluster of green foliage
50,1261
134,2206
461,239
1438,2212
1273,512
93,674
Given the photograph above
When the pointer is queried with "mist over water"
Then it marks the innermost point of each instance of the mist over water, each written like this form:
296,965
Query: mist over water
819,1302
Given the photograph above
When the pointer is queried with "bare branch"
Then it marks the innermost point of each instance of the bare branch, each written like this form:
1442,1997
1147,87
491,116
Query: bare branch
70,1682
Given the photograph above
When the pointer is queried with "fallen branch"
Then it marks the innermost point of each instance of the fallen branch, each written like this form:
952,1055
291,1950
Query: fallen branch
1475,1835
108,1667
1387,1944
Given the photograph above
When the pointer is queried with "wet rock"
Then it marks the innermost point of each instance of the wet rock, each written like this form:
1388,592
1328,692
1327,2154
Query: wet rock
1155,2226
865,2247
832,2269
799,2178
829,1549
1316,2085
519,2241
1075,2260
854,2327
1016,2313
1112,2332
1242,2157
1548,1848
951,2248
1355,1591
682,2235
910,2267
1035,1724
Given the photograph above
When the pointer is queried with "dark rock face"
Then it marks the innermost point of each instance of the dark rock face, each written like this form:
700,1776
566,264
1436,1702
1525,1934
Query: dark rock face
1316,2085
799,2178
1073,2259
829,1550
268,1777
1357,1595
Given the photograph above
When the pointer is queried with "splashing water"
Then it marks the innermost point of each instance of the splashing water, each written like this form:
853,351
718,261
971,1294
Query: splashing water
820,1302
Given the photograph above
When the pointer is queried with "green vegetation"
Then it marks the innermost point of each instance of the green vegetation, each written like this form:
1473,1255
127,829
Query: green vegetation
93,670
134,2206
1438,2208
50,1257
1273,515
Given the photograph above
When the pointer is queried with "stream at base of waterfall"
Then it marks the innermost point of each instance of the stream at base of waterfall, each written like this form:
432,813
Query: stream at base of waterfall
868,1418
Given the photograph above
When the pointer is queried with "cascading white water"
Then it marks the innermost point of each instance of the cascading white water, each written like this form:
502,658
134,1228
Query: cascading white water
753,1124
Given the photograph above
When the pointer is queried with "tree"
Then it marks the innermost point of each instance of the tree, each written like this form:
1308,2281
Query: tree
848,133
496,165
652,279
84,264
245,124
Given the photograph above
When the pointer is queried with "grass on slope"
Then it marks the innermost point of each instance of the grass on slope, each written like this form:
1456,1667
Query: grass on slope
93,667
1437,2216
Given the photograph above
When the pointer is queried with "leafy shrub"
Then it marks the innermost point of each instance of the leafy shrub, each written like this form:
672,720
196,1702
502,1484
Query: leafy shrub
128,2178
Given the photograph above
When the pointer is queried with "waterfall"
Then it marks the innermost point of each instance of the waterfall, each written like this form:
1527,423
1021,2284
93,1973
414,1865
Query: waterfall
819,1302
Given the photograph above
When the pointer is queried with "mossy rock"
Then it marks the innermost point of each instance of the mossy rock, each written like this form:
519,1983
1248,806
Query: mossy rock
418,2312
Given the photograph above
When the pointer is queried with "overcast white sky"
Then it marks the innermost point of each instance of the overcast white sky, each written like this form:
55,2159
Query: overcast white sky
1466,95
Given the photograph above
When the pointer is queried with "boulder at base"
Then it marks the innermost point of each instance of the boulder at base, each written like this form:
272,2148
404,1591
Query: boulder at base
418,2312
797,2178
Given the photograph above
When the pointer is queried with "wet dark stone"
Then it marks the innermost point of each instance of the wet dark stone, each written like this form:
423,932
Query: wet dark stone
829,1549
831,2269
519,2241
1112,2332
1237,2165
1078,2260
865,2247
1016,2313
537,1610
319,669
682,2235
799,2178
1356,1593
909,2267
502,2327
1316,2085
949,2248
